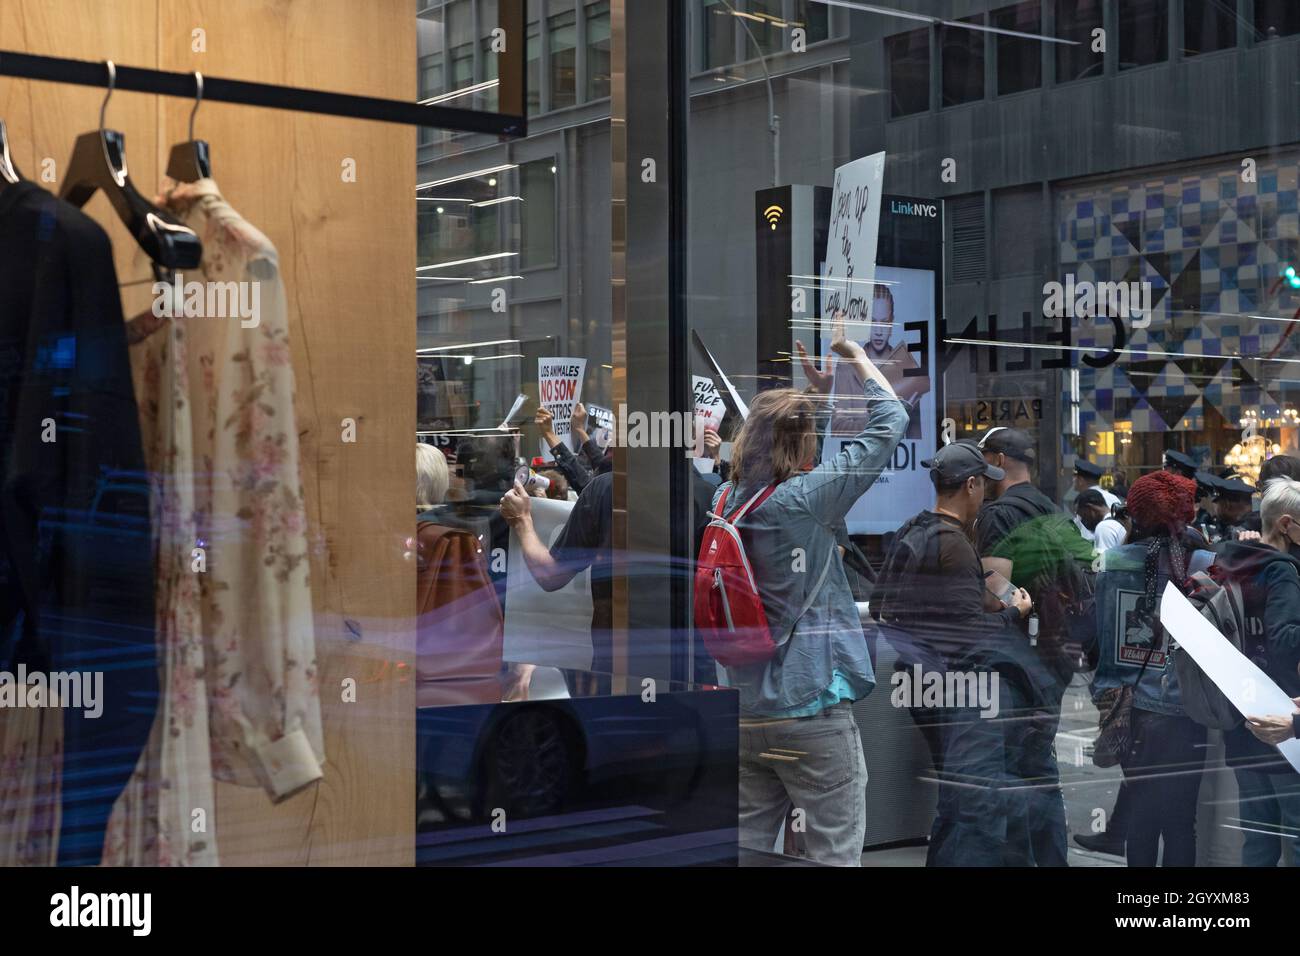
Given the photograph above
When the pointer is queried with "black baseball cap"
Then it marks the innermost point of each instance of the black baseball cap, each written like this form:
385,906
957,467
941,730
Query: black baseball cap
1086,468
1180,462
959,461
1011,442
1233,487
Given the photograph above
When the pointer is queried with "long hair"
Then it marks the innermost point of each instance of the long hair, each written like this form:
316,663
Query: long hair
778,438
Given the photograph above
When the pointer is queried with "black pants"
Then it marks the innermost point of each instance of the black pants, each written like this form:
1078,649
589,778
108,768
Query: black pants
1162,774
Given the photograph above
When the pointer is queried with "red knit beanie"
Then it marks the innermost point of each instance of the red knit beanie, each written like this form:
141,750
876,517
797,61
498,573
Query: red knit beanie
1162,501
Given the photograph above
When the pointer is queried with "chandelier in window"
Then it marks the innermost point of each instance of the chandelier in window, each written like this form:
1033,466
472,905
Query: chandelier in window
1246,457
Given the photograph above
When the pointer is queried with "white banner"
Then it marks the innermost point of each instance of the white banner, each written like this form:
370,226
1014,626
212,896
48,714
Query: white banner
546,627
848,275
559,388
1247,687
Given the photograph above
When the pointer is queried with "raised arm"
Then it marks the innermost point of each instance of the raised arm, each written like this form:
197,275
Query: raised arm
832,487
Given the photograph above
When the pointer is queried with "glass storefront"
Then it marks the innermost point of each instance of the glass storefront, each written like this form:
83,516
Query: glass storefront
1083,219
846,434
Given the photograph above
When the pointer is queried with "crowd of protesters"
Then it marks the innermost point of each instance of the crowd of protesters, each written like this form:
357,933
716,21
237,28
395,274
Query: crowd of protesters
995,586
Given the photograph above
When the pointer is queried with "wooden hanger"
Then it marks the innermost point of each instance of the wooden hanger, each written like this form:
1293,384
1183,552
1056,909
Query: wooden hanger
99,163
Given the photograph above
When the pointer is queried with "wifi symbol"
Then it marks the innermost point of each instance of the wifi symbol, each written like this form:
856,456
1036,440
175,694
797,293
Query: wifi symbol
773,215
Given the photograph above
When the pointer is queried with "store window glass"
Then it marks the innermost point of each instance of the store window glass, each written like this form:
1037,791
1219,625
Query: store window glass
1208,26
814,18
598,50
488,57
459,228
462,67
563,32
1020,59
766,20
533,68
961,51
999,386
908,56
1276,18
1143,32
718,36
431,66
537,209
514,332
1079,23
1097,329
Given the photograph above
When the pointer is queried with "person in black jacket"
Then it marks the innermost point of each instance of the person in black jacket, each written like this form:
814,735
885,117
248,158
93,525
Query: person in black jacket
76,547
1269,577
981,817
1016,500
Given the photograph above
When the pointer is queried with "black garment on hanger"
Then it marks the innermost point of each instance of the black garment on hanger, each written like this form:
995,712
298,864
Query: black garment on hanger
76,552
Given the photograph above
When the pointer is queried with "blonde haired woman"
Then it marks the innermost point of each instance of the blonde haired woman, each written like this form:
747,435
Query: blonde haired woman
431,476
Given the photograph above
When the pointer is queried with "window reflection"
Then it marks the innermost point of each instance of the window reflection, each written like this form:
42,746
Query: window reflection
962,53
1143,32
909,72
1020,60
1078,21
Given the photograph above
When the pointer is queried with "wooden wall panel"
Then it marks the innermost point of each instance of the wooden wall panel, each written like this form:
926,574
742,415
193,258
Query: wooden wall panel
347,253
44,119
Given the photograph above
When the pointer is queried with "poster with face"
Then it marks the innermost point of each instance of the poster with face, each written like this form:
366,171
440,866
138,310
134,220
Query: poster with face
902,322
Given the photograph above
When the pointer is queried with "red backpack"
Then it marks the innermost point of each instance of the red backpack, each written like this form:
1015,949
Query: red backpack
729,611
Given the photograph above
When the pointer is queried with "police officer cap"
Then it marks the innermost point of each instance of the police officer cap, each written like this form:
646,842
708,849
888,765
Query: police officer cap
1234,487
1183,463
1088,469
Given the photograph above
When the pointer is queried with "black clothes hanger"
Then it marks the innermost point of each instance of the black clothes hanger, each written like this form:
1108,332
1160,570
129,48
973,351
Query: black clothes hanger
99,162
189,161
9,175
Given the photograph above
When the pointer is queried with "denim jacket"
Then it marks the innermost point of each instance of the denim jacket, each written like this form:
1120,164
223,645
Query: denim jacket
1124,630
803,513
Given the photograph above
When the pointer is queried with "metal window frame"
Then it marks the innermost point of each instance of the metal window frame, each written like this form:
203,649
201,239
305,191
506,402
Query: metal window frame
298,99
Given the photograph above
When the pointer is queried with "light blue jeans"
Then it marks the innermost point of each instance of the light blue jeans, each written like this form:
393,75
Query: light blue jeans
815,765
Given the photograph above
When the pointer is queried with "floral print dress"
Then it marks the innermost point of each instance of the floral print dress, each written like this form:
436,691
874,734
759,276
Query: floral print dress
240,697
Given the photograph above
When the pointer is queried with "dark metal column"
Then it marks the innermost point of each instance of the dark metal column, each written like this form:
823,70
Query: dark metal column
652,497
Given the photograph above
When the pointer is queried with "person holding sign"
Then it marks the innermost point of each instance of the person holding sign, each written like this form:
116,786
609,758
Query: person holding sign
799,702
1269,578
571,466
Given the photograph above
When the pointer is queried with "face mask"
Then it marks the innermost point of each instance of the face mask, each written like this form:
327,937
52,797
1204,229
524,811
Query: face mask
1292,548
